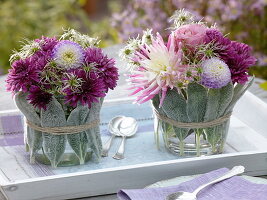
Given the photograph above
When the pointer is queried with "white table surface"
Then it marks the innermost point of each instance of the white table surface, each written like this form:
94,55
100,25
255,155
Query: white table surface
7,103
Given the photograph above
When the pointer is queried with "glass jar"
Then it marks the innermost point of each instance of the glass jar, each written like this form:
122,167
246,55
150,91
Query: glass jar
69,158
192,142
60,136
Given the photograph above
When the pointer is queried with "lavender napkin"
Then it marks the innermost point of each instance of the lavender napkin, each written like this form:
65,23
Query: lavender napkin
235,188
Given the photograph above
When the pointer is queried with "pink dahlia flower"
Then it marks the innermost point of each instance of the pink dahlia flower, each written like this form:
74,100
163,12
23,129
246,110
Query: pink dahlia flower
191,35
161,68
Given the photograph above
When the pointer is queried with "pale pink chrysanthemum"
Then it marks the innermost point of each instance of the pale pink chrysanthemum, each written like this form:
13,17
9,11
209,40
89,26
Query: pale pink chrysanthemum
160,68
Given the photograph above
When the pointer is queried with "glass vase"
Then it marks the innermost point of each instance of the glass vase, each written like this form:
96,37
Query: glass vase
192,142
77,145
194,121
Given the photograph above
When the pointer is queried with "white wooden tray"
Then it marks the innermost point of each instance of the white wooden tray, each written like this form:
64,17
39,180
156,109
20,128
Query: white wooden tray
246,145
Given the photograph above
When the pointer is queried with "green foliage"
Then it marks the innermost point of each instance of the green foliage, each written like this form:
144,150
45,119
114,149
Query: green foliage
33,138
31,19
22,19
264,85
259,71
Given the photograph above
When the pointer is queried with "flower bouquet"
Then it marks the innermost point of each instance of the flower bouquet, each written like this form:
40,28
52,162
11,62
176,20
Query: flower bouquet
59,86
194,80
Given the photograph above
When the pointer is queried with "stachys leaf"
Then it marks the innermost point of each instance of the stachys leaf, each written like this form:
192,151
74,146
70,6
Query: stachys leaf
78,141
54,145
196,102
33,138
175,108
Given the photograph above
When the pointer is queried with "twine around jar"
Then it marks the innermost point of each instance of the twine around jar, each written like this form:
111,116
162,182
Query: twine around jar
193,125
64,130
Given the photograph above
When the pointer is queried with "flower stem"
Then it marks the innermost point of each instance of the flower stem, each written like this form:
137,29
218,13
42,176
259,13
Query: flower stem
156,134
181,147
81,157
198,133
214,149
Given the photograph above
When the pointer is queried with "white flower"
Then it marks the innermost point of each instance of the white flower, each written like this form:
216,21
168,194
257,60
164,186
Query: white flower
29,48
182,17
128,52
82,39
147,36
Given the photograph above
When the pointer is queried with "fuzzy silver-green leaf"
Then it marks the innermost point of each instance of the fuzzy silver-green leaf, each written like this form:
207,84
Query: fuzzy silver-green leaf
53,145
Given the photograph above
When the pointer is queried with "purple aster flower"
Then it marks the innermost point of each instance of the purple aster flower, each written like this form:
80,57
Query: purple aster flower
68,54
216,73
38,97
105,65
22,75
91,88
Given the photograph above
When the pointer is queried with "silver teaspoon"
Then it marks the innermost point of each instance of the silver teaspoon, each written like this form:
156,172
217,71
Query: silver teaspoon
127,128
113,129
193,196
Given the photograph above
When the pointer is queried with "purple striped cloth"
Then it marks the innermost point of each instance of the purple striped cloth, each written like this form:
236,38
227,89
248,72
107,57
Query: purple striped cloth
11,128
235,188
